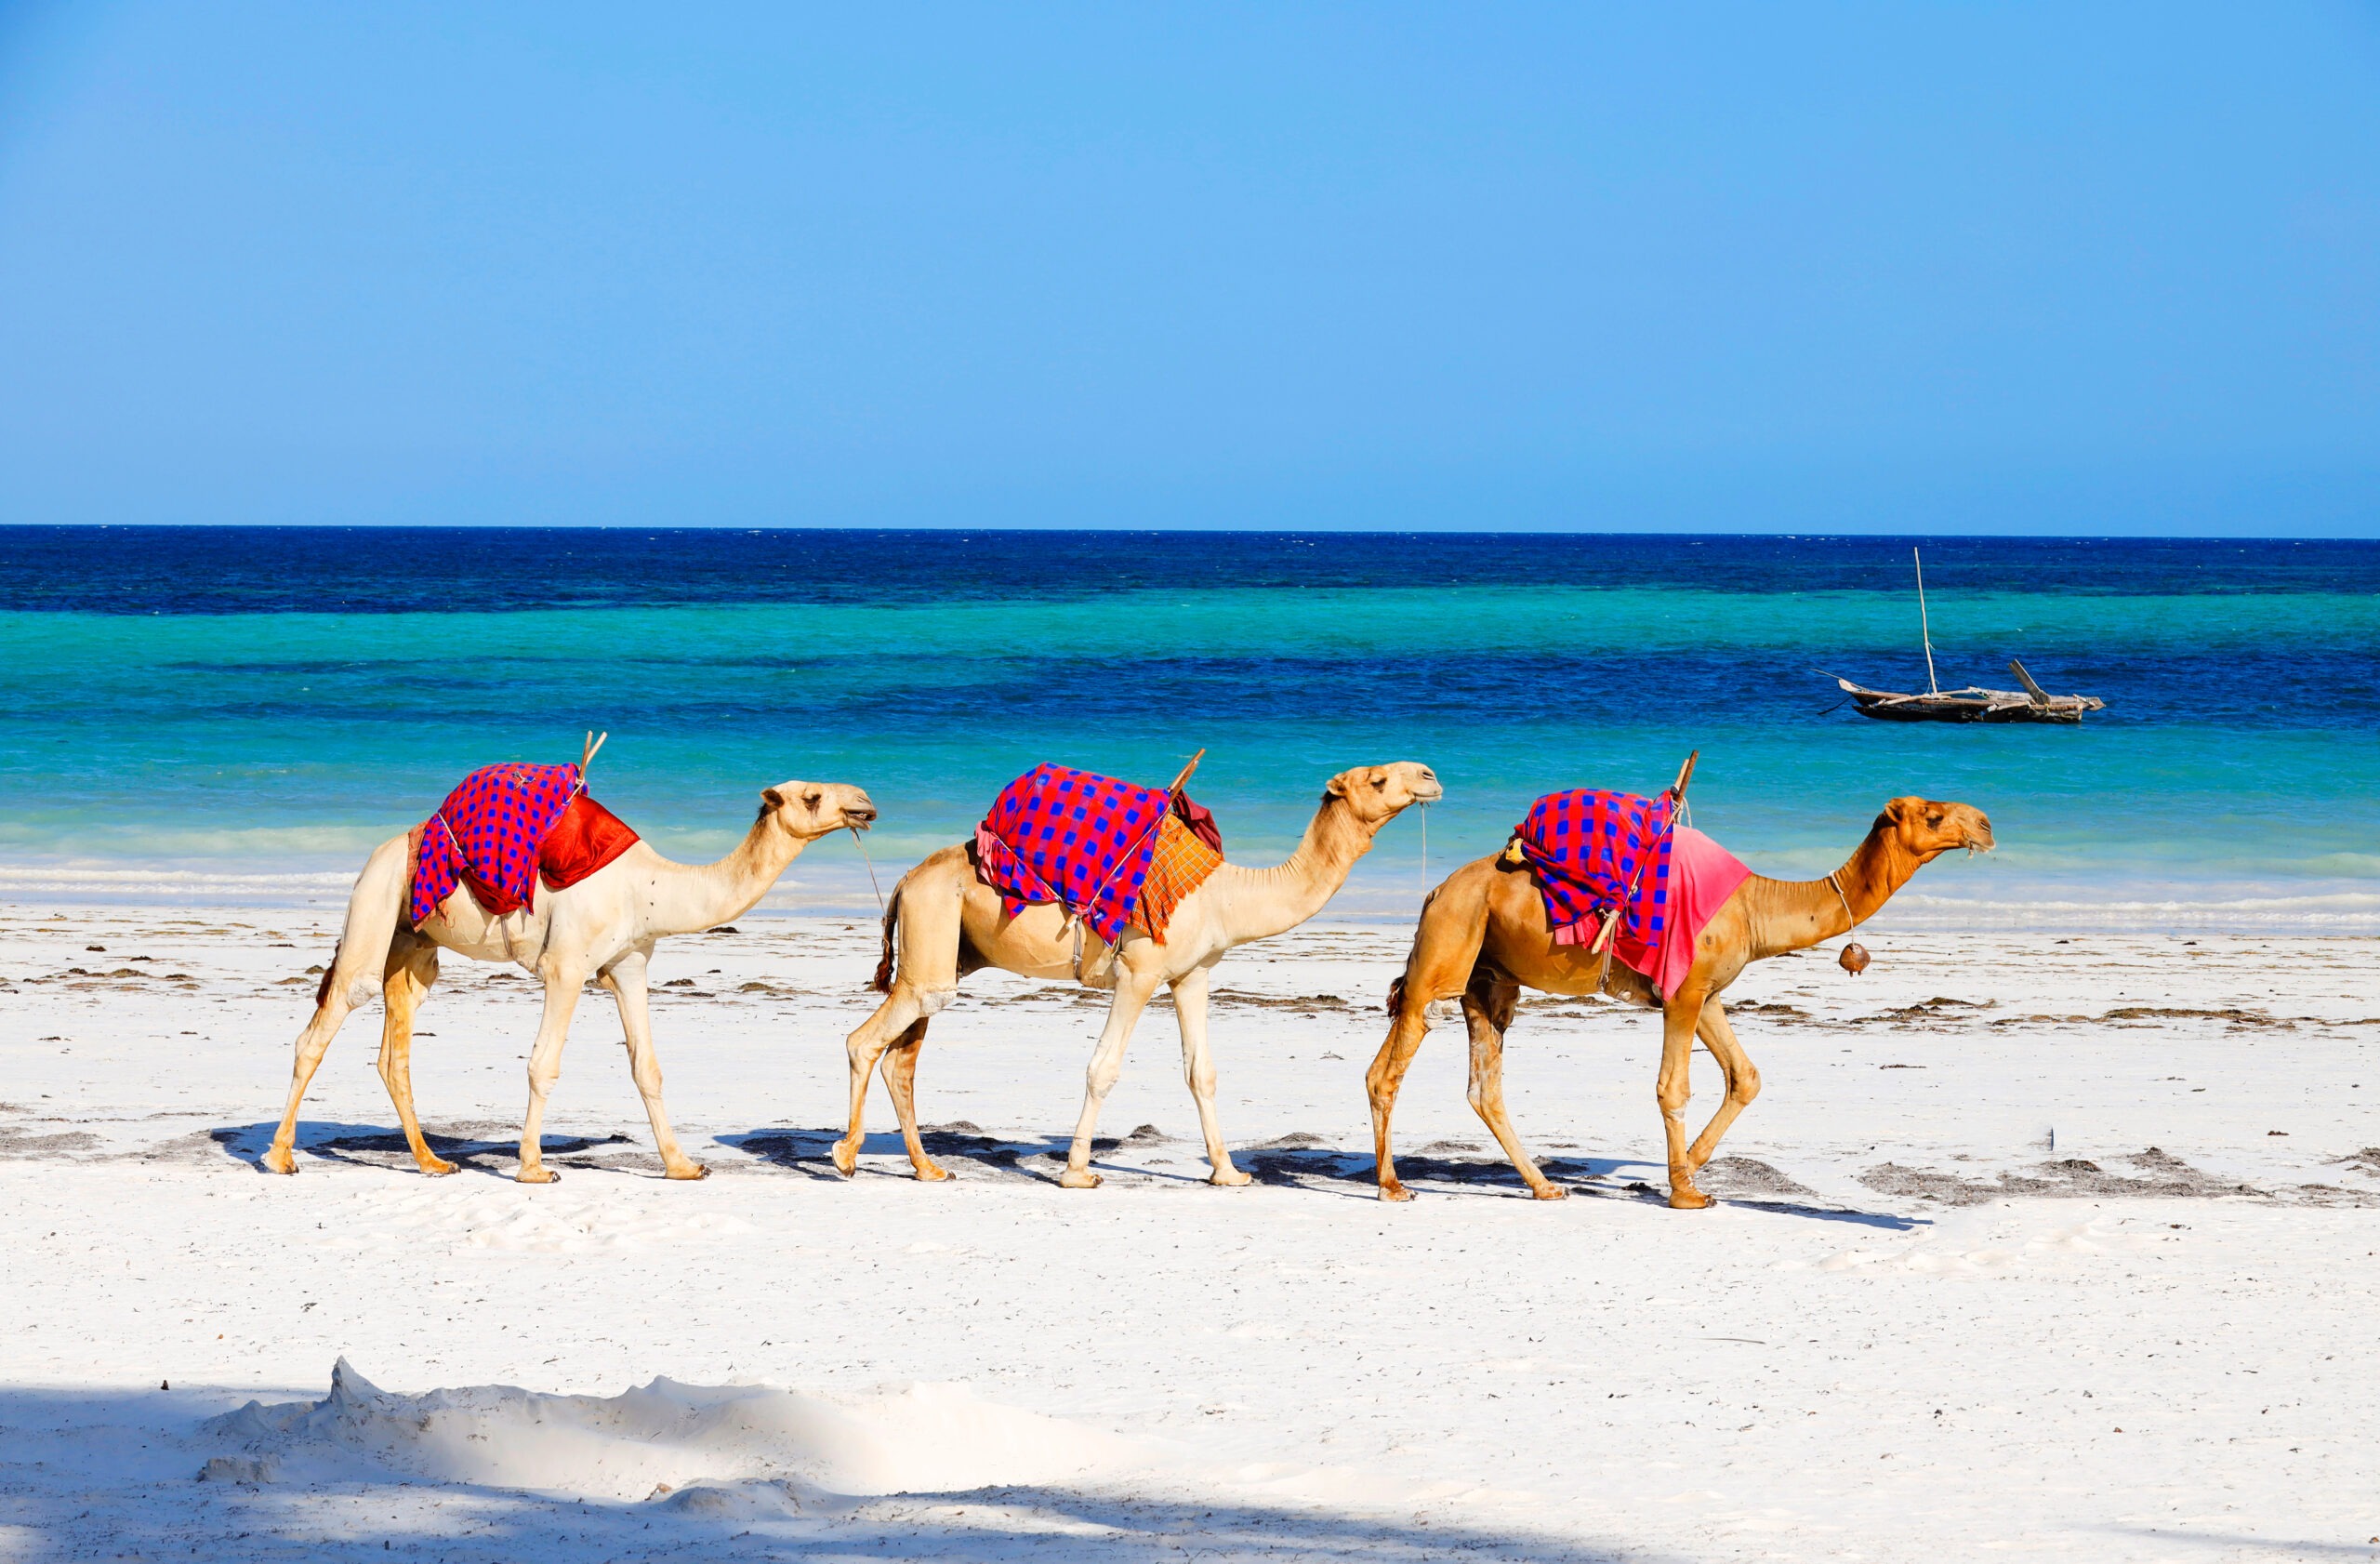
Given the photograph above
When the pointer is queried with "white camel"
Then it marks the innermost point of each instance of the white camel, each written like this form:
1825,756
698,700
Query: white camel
948,923
604,927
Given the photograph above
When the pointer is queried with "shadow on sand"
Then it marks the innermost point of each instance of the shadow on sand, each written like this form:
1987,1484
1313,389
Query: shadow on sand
1149,1156
475,1146
100,1474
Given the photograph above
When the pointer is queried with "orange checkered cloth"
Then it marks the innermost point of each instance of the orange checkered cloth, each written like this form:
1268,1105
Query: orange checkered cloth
1179,866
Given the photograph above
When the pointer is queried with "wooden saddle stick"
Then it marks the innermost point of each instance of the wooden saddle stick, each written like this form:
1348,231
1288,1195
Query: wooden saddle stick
587,756
1685,775
1181,781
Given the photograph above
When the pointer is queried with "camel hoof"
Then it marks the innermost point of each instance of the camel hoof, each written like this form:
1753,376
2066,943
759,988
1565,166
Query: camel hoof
845,1159
538,1176
279,1160
1078,1178
437,1168
1394,1192
931,1172
1548,1192
1229,1178
1687,1199
687,1172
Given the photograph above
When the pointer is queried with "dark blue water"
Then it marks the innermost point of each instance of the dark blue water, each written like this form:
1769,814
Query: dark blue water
385,570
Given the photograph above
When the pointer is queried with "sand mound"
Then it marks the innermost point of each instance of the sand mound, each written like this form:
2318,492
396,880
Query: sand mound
666,1437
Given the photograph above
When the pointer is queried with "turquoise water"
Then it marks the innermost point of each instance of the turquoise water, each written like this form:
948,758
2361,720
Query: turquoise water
158,746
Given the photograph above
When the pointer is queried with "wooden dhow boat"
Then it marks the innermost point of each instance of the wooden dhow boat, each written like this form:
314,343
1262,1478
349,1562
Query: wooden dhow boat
1974,704
2031,703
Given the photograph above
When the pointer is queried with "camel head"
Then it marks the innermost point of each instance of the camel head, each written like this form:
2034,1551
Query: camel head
1375,794
807,810
1926,829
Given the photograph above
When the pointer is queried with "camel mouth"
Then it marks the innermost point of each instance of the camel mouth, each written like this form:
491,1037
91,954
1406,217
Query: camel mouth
858,819
1429,792
1983,843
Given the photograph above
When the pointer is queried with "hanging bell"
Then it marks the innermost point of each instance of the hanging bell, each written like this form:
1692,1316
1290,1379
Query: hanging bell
1854,958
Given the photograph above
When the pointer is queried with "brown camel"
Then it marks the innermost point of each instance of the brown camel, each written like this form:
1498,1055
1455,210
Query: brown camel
1484,936
950,923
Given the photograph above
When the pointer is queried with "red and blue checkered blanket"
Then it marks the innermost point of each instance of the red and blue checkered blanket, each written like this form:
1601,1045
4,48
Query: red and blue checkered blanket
1075,837
1589,847
487,834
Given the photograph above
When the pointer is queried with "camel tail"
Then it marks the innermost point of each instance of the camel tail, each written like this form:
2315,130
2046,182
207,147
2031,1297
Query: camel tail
323,989
882,981
1396,995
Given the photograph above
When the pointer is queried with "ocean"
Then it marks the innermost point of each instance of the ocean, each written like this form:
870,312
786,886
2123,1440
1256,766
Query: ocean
239,714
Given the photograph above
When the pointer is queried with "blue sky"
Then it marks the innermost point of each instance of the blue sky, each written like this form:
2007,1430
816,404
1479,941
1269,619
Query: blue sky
2061,267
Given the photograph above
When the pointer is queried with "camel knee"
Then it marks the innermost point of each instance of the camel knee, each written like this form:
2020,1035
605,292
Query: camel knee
1744,1086
931,1002
1201,1079
1671,1095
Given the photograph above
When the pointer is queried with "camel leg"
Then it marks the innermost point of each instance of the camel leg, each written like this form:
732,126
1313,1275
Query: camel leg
1744,1080
1198,1069
1488,1007
1679,1017
1132,991
1446,948
562,984
356,966
927,940
412,967
625,978
880,1031
1384,1079
901,1081
312,1043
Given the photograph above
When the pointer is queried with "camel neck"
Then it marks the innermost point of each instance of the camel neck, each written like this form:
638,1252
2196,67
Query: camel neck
1281,897
1796,914
691,897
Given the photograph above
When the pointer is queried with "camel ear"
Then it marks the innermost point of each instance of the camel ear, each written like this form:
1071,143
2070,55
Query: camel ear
1335,789
771,799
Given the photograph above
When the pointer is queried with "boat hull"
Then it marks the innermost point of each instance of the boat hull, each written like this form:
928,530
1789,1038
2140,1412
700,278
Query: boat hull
1884,710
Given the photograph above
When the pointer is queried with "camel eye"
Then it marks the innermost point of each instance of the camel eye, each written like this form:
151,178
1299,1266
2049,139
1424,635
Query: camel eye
811,801
1379,781
1933,819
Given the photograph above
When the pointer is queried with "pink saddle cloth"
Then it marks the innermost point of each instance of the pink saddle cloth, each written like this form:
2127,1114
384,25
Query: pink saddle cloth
1702,876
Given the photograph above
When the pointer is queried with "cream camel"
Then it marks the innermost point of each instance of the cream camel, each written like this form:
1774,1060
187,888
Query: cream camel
1484,935
604,927
948,923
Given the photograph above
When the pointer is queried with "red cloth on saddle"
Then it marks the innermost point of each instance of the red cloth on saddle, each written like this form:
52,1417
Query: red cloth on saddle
491,831
1589,846
587,837
1078,839
1702,876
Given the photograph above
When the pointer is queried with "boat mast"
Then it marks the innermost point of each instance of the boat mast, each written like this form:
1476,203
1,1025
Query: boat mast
1924,629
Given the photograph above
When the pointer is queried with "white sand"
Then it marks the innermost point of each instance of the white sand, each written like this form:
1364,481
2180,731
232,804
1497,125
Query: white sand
1835,1363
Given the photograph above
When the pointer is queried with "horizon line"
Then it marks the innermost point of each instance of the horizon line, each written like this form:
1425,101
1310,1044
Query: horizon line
945,530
